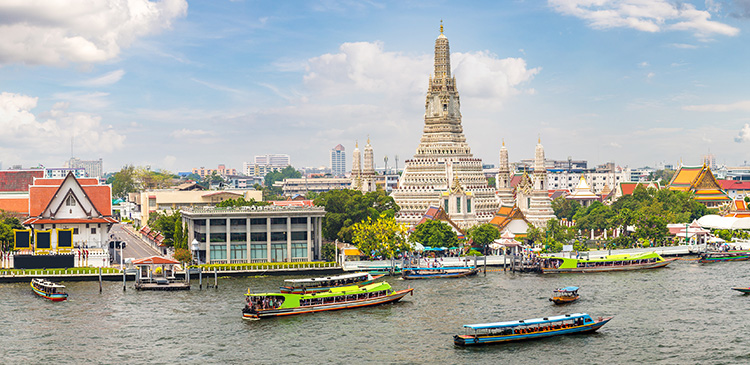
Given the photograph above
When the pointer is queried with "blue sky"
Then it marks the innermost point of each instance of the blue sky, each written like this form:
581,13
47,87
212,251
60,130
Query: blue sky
175,84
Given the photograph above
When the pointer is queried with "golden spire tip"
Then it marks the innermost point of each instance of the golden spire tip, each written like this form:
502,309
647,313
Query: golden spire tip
441,26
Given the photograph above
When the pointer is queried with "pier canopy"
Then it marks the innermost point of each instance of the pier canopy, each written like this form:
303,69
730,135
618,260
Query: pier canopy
719,222
156,260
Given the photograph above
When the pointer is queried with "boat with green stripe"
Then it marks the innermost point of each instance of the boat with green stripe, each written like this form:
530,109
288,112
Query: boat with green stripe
710,257
48,290
622,262
266,305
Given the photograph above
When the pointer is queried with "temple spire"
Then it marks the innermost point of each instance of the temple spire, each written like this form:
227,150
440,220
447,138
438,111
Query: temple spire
441,26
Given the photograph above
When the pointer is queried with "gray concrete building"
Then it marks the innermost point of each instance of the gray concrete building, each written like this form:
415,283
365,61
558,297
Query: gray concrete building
255,234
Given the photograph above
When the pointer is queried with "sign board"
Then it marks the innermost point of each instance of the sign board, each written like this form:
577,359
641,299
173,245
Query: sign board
567,248
43,240
65,239
22,239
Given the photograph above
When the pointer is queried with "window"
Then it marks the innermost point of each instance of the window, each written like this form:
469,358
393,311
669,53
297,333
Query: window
70,201
258,237
299,236
299,220
238,252
278,252
218,222
238,237
468,205
237,222
445,206
299,250
218,237
218,252
445,106
278,236
458,205
200,237
75,230
278,220
199,223
93,230
258,252
258,221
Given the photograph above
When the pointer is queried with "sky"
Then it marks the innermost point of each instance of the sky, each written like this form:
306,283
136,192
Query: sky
177,84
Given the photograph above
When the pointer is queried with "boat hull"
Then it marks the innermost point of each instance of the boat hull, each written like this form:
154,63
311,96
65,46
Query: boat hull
57,297
395,297
470,340
654,265
708,260
563,300
742,290
409,275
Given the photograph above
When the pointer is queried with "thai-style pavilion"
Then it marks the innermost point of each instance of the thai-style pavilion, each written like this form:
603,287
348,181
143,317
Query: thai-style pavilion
701,182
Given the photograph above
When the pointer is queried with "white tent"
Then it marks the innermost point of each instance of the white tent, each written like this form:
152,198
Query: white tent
418,246
719,222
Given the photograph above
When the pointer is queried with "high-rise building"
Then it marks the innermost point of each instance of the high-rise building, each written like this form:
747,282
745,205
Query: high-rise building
94,168
338,161
274,160
443,171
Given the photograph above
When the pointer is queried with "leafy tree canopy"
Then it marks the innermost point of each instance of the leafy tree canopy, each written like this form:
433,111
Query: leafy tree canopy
565,208
288,172
434,233
483,234
346,207
240,202
380,237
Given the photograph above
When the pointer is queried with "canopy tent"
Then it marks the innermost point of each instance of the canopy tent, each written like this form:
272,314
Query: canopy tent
715,240
719,222
418,246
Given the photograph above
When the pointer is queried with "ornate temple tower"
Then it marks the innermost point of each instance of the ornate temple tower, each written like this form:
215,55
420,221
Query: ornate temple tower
443,162
502,180
368,171
539,209
356,168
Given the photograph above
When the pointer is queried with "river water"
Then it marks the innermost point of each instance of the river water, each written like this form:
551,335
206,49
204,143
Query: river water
685,313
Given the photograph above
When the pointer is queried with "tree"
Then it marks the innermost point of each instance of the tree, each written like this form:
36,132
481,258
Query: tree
328,252
7,224
565,208
288,172
124,182
483,234
193,176
665,176
165,224
154,179
183,255
346,207
240,202
380,237
434,233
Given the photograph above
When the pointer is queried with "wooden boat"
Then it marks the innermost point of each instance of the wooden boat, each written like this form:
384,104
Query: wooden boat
624,262
709,257
742,290
528,329
280,304
565,295
410,273
49,290
315,285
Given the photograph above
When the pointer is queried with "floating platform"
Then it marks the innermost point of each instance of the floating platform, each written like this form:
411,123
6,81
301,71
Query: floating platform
163,285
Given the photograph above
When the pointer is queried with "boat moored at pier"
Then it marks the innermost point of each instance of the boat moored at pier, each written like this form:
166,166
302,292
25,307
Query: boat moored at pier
623,262
710,257
49,290
528,329
410,273
282,304
315,285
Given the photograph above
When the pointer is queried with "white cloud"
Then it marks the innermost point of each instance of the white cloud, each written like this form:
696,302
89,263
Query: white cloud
644,15
195,136
744,135
107,79
26,135
95,100
58,32
738,106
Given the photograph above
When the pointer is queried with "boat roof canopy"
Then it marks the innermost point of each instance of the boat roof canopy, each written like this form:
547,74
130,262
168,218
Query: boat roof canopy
338,277
568,288
527,322
353,289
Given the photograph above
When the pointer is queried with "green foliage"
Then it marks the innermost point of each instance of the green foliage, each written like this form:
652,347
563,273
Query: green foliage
434,233
381,236
491,181
124,182
747,199
483,234
596,216
534,234
240,202
7,224
665,176
328,252
182,255
473,253
193,176
725,234
165,223
347,207
288,172
565,208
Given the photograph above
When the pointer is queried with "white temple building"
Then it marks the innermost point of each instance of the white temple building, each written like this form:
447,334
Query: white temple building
363,178
443,171
532,195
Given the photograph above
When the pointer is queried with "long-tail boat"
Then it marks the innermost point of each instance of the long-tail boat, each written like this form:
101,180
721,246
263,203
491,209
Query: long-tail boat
49,290
280,304
709,257
565,295
528,329
742,290
315,285
410,273
623,262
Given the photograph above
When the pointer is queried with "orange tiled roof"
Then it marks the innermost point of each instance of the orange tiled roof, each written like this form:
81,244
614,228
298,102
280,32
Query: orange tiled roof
17,205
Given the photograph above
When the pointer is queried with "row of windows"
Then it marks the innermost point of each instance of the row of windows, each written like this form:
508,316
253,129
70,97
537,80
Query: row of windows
75,230
242,236
253,221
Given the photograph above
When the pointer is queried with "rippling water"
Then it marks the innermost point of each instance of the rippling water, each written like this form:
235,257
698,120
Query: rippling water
685,313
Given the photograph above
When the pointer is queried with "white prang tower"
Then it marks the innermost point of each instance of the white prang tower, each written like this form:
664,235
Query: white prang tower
443,172
539,205
356,168
368,171
502,180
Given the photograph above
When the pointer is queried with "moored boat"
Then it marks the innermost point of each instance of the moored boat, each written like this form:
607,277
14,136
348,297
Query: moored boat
565,295
49,290
742,290
281,304
315,285
709,257
623,262
438,272
528,329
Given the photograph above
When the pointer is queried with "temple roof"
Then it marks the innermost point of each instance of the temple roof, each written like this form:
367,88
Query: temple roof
700,181
582,191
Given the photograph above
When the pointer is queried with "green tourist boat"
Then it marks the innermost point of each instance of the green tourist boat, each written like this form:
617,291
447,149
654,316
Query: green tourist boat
267,305
623,262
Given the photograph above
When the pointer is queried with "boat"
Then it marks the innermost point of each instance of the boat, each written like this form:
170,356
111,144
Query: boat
438,272
623,262
742,290
315,285
565,295
49,290
528,329
268,305
709,257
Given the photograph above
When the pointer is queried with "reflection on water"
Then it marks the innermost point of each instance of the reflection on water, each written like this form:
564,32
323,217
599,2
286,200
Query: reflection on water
685,313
